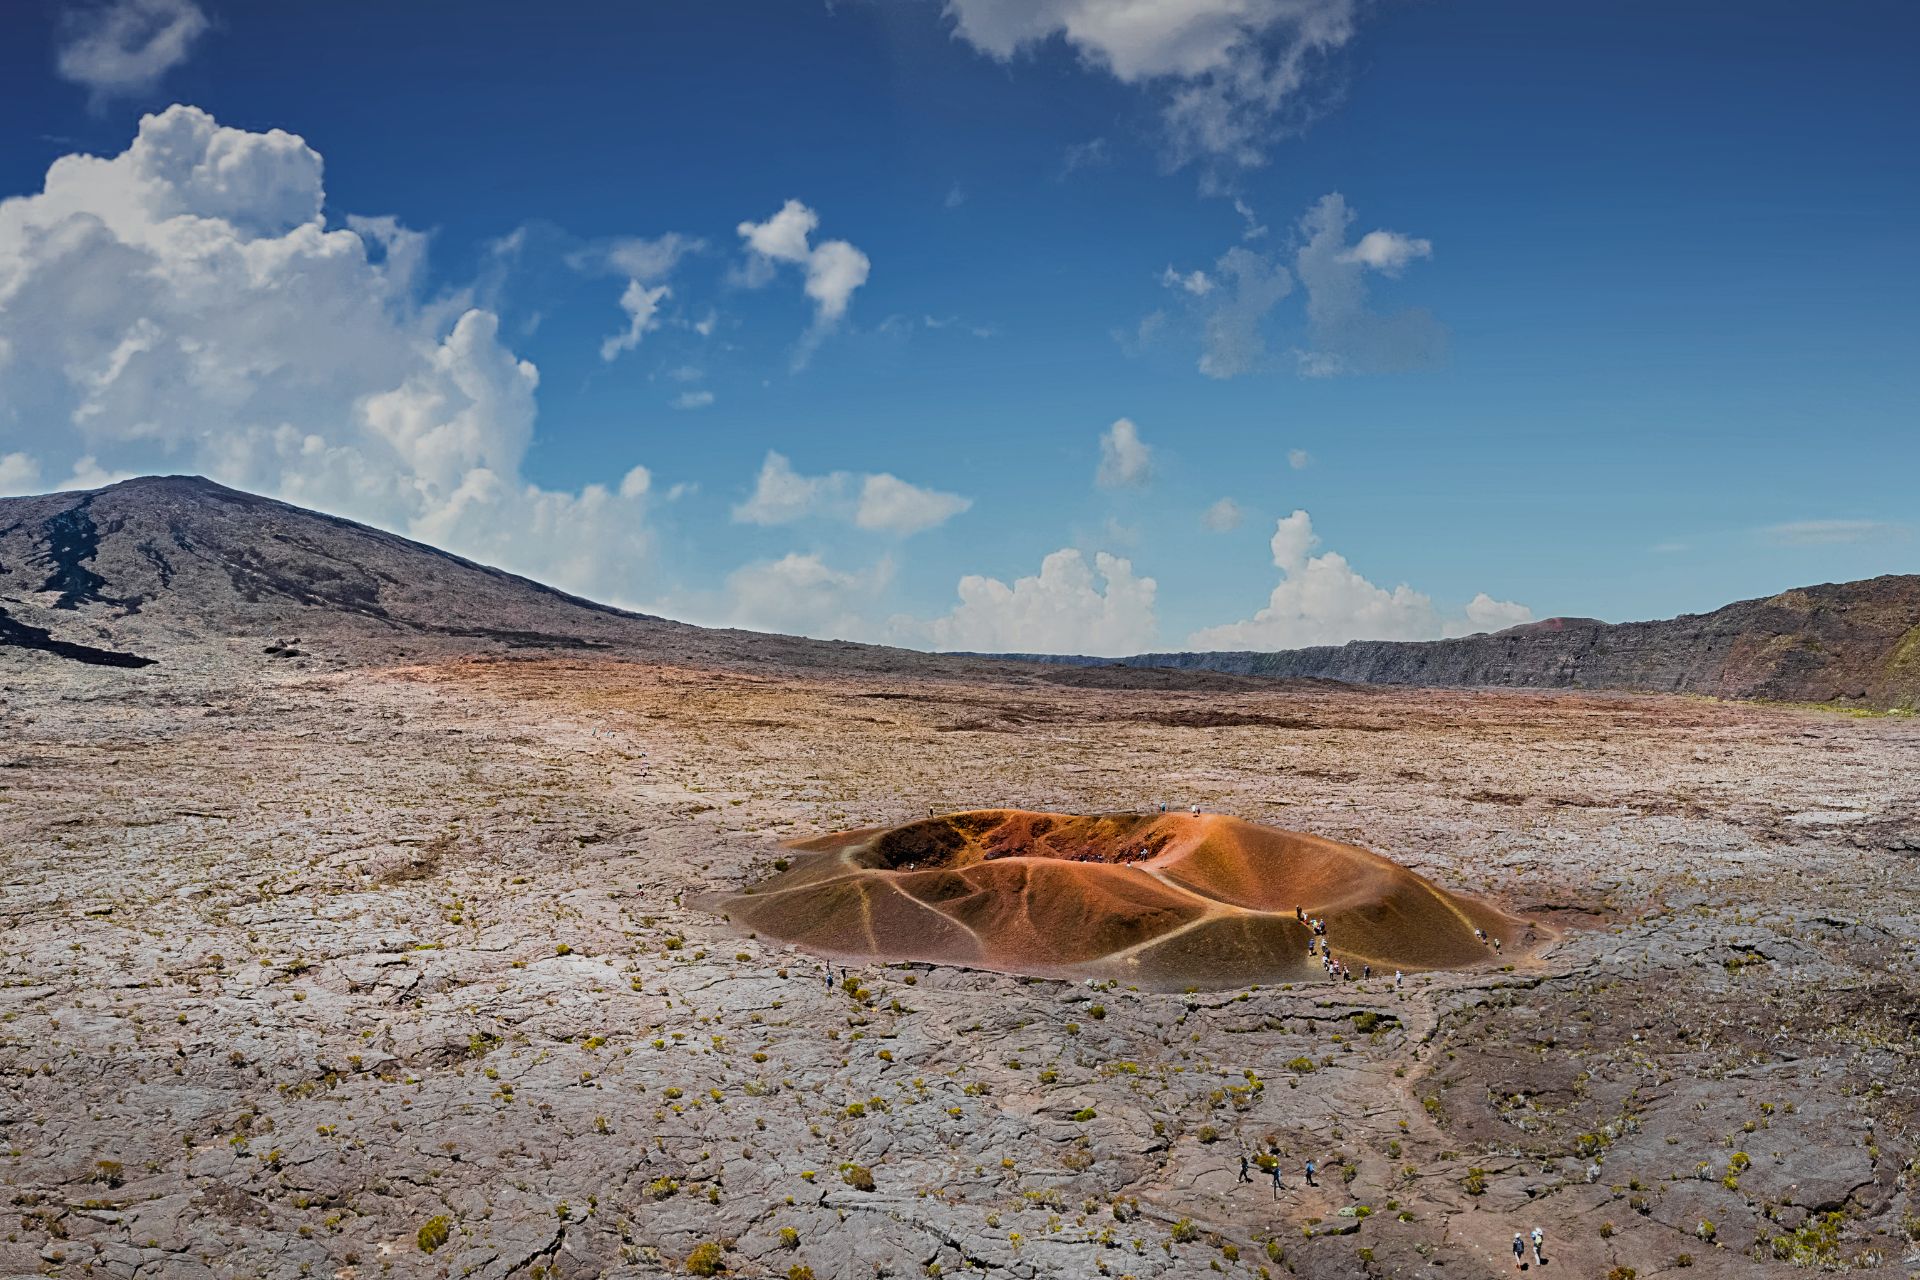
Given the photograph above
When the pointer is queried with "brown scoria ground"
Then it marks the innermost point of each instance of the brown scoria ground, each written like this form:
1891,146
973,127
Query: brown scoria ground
302,974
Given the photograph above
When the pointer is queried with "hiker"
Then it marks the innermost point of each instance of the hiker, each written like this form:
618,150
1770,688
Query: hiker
1300,914
1196,811
1278,1186
1398,978
1366,971
1244,1175
1312,1169
1496,944
1539,1242
1519,1252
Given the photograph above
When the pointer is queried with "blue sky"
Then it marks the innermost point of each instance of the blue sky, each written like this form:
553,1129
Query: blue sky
1634,336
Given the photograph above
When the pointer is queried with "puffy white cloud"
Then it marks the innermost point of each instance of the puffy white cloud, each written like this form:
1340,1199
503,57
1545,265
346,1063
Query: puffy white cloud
802,595
1299,459
1223,516
1484,613
1229,71
889,504
1387,251
183,306
19,473
693,400
1321,599
877,502
833,268
125,47
1068,607
1126,461
782,495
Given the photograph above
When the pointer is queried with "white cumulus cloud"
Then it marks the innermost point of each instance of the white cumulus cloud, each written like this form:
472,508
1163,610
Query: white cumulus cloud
693,400
1387,251
1068,607
1321,599
126,47
833,269
19,473
877,502
800,594
1126,461
184,306
1230,74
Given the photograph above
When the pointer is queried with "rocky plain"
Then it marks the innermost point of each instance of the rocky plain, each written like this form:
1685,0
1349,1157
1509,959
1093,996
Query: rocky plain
314,969
351,927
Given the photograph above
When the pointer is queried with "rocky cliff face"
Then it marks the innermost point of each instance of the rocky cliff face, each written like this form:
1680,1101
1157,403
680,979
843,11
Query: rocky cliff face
1854,642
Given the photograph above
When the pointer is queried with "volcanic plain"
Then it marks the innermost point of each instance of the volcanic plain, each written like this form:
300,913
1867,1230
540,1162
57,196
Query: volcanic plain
319,968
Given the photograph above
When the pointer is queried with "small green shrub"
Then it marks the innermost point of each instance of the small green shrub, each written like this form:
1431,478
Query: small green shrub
434,1232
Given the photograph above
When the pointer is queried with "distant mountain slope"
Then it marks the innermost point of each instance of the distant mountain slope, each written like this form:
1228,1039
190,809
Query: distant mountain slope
1854,642
178,570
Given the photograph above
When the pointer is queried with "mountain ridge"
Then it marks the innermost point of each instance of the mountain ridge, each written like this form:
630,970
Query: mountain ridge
173,569
1846,642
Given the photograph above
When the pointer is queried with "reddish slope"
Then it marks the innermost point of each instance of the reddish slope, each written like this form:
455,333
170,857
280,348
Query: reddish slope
1165,901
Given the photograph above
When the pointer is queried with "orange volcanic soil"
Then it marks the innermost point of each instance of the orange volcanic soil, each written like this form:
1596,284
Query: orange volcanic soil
1164,901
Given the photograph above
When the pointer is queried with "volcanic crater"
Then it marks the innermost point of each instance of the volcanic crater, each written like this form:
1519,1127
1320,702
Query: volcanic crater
1160,901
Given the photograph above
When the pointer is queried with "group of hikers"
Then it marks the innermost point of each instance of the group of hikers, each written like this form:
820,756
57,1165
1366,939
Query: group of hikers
1272,1166
1520,1242
1319,949
1537,1238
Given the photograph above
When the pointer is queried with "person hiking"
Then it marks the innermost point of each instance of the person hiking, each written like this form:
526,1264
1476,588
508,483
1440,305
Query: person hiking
1278,1186
1244,1175
1539,1243
1312,1169
1366,971
1196,811
1398,978
1519,1252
